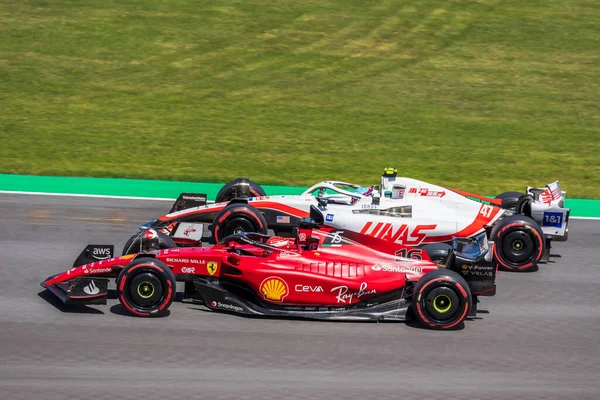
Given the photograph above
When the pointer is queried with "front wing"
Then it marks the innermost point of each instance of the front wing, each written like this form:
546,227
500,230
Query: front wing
80,290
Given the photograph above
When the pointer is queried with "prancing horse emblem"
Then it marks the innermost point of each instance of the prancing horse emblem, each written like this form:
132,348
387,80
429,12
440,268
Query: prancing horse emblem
212,267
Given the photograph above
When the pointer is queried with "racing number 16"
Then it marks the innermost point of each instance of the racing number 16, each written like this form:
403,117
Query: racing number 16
414,254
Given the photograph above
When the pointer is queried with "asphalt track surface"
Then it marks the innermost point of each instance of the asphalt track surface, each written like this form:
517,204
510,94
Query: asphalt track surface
539,338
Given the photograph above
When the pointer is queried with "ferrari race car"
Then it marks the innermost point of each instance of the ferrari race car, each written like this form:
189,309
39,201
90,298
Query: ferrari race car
313,275
402,210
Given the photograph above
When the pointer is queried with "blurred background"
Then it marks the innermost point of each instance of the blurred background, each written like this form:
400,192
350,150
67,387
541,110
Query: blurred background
482,95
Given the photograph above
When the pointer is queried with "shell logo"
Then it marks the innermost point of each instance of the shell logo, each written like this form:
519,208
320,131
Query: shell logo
274,289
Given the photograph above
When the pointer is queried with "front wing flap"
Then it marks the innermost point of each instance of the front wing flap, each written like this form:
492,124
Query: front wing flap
79,291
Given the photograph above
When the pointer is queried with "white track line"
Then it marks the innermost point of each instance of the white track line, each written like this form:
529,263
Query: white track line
99,196
104,196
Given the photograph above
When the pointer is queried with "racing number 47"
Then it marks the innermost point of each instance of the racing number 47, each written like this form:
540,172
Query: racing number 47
486,210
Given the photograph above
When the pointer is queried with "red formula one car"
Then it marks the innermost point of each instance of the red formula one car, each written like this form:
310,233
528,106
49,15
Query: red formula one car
315,276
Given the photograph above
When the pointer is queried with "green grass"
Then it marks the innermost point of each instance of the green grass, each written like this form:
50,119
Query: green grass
484,95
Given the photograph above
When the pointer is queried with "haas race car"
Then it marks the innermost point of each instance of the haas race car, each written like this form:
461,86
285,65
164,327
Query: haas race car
312,276
401,210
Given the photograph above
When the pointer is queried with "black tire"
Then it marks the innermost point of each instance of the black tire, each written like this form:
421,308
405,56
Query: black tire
238,217
519,243
509,199
146,287
524,205
441,299
438,252
239,188
134,243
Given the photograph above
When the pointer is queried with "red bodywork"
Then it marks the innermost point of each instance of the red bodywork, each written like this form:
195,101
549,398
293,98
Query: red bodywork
339,274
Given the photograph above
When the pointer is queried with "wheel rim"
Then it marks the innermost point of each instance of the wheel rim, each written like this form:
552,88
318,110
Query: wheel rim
146,291
442,304
518,247
238,225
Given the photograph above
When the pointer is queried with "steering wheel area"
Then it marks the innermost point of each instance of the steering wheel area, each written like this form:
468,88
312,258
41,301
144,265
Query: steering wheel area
248,238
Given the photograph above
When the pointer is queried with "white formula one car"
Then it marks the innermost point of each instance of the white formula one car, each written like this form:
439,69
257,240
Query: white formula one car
401,210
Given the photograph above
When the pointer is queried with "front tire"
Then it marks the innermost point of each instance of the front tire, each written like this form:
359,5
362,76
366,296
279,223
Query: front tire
519,243
441,299
146,287
238,218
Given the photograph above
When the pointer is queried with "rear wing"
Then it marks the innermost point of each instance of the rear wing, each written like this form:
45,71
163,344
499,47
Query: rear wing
548,194
548,209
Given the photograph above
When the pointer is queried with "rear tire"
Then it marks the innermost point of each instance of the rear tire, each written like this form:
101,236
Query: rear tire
441,299
519,243
239,188
237,218
509,199
146,287
438,252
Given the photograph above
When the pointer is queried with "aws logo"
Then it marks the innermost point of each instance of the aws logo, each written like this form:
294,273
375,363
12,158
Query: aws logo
274,289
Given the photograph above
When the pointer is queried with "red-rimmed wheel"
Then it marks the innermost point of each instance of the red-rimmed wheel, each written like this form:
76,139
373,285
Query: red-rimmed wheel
441,299
146,287
238,218
519,243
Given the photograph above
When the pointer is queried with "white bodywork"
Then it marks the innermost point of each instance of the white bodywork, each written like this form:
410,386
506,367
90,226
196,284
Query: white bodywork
547,208
405,210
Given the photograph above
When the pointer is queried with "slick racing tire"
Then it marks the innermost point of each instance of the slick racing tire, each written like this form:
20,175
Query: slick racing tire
441,299
146,287
519,243
524,205
438,252
134,243
509,199
238,218
239,188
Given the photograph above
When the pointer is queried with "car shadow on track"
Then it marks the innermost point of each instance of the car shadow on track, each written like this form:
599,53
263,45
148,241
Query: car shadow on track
411,322
67,308
119,309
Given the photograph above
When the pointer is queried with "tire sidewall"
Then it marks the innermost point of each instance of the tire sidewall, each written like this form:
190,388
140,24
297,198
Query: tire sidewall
438,251
509,199
161,271
436,279
234,212
510,225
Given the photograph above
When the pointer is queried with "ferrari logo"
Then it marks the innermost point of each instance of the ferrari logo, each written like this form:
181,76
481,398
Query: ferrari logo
211,267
